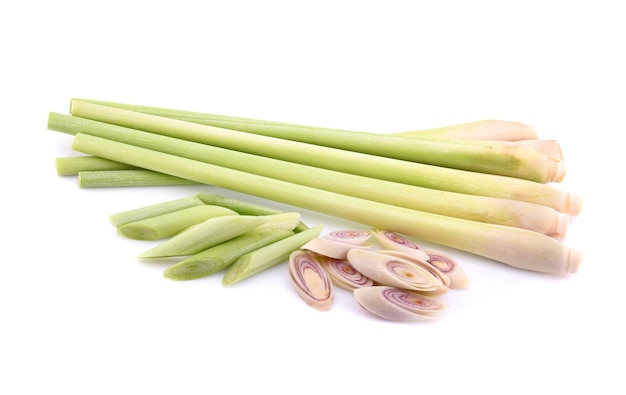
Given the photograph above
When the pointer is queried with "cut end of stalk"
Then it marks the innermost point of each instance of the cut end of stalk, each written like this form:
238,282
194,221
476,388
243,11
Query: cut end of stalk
557,170
561,223
575,204
574,261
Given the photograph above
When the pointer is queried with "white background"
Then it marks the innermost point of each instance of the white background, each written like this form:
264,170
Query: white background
80,315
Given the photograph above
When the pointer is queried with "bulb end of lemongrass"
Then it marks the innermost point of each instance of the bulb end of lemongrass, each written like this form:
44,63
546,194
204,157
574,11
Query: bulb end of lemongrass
561,223
557,170
575,204
574,261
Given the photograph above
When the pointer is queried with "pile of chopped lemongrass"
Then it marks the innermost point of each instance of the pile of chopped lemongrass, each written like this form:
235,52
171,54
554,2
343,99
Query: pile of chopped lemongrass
484,187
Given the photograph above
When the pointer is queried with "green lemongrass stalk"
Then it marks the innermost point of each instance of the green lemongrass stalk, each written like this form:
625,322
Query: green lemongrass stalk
242,207
479,130
72,165
519,162
516,247
374,168
221,256
266,257
169,224
205,235
508,212
153,210
127,178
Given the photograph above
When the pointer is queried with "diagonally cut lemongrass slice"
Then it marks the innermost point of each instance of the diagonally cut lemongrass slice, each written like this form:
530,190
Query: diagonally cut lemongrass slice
153,210
355,237
310,280
219,257
242,207
268,256
343,274
450,267
205,235
398,304
169,224
331,247
425,264
393,271
393,241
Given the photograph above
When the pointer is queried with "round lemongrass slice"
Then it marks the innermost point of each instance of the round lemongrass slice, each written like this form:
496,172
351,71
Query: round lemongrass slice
445,280
394,241
393,271
397,304
343,274
355,237
310,280
450,267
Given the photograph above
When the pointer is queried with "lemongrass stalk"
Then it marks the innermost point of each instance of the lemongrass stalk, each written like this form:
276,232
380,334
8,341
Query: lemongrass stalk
266,257
72,165
242,207
288,221
533,215
169,224
221,256
153,210
128,178
479,130
204,235
516,247
520,162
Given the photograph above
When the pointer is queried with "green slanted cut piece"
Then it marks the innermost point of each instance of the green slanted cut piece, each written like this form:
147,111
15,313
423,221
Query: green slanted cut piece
221,256
170,224
153,210
265,257
205,235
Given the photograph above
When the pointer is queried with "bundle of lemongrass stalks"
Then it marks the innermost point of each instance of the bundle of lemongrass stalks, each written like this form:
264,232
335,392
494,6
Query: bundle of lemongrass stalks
484,187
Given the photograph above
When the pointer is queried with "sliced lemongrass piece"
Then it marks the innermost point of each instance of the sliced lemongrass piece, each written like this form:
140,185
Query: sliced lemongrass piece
394,271
287,221
204,235
343,274
153,210
330,247
219,257
72,165
310,280
478,130
265,257
242,207
169,224
396,304
128,178
450,267
445,280
354,237
394,241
